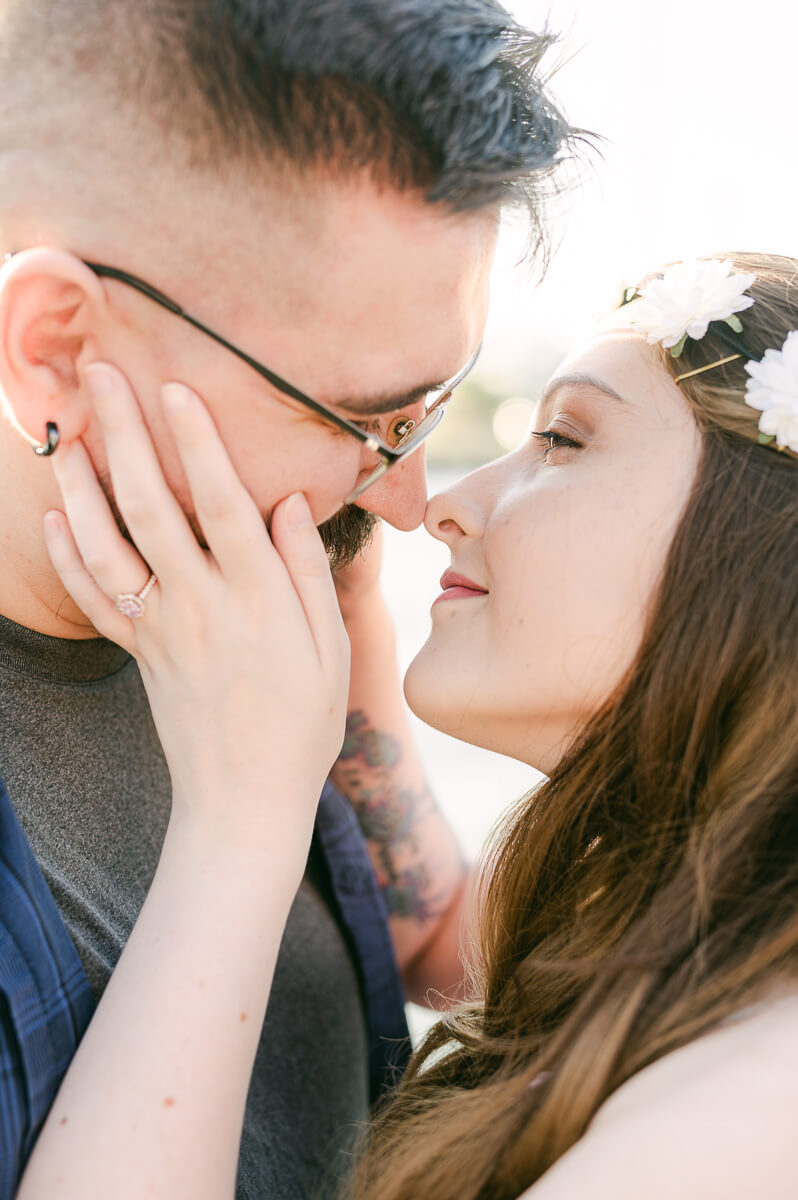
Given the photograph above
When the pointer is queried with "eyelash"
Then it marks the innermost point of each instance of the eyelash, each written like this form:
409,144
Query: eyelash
370,426
557,441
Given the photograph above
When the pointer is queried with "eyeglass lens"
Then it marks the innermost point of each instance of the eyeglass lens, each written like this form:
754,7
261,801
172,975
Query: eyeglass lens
412,442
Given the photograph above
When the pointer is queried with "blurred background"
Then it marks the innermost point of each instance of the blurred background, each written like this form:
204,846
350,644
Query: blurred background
695,101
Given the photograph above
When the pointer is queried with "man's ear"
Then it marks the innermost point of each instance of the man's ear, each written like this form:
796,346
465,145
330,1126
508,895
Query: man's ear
50,302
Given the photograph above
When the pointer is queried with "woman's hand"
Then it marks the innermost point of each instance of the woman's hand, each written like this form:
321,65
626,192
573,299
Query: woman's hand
241,647
245,660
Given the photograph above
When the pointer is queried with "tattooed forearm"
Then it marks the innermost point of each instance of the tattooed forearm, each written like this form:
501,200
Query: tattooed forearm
375,748
407,895
391,815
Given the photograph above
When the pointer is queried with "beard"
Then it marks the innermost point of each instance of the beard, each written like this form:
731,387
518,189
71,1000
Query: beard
344,536
347,534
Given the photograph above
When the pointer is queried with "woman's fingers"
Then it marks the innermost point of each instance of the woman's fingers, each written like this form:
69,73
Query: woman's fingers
108,559
297,541
96,563
151,513
228,516
87,594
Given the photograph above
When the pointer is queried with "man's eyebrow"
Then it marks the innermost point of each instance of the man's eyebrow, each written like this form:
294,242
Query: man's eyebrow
394,401
384,402
579,379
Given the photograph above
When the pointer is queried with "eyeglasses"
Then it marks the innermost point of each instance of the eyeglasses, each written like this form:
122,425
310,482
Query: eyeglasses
407,435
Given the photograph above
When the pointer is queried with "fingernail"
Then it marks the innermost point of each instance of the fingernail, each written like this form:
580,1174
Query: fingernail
175,397
297,513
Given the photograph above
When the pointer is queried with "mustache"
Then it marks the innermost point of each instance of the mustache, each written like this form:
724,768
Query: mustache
346,535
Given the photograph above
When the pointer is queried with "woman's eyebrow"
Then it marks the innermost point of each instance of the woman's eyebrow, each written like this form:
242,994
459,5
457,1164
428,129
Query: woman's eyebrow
579,379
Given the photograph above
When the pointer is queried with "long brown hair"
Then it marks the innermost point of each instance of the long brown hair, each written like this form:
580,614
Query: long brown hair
649,888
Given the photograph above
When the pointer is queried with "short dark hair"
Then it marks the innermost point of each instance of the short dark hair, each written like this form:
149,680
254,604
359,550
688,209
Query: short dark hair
445,96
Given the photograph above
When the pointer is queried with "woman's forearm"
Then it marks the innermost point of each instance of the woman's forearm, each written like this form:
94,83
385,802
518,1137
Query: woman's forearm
153,1102
243,654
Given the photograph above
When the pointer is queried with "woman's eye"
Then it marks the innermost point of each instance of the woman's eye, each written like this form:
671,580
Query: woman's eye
555,441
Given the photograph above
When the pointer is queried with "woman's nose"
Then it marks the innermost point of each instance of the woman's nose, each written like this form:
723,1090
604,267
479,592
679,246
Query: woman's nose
458,512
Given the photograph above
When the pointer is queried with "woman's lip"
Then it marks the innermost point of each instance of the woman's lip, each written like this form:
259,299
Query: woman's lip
458,587
459,593
451,579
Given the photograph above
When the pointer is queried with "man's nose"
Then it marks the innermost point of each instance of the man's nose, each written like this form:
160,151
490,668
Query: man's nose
400,497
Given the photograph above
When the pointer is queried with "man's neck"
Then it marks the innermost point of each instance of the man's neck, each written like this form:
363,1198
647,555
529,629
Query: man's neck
31,592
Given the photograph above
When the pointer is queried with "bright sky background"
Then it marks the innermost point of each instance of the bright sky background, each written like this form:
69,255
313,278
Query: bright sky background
696,100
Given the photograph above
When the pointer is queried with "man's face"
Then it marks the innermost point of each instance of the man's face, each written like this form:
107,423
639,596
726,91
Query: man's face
357,297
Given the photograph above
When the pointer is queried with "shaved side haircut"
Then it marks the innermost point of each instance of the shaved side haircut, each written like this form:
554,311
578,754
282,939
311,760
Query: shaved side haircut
441,96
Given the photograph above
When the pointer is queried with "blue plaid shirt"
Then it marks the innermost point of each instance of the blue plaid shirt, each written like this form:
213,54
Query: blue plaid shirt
46,1002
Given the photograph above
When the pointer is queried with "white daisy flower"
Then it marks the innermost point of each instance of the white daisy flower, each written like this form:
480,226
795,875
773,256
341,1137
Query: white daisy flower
688,296
773,390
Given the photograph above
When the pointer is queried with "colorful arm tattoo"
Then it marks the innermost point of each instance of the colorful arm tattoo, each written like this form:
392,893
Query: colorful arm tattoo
390,816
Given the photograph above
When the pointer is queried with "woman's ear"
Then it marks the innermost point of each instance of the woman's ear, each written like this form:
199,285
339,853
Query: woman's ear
50,302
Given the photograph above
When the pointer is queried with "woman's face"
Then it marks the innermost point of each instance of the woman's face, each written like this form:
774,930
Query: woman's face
565,538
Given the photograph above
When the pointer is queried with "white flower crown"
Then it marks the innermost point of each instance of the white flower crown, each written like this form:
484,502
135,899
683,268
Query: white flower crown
773,389
683,303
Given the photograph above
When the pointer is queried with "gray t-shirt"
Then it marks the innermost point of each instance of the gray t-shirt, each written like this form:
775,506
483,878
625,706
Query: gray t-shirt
83,766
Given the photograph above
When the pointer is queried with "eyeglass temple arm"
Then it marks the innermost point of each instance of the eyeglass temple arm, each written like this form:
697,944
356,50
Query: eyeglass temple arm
277,381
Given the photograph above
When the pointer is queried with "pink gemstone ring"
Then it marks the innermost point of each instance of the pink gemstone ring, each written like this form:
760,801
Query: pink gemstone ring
131,604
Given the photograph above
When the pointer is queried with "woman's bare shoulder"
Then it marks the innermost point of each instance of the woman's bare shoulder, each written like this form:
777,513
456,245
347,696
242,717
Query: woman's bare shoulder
714,1119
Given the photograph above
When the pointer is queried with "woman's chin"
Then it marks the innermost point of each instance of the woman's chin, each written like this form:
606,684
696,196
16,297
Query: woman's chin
446,700
437,699
426,693
416,693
